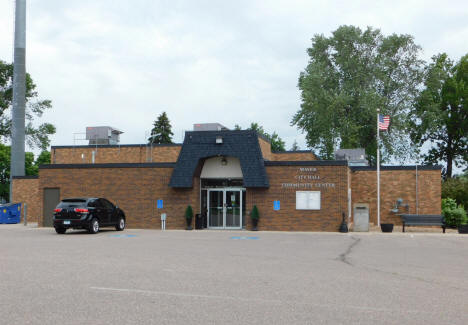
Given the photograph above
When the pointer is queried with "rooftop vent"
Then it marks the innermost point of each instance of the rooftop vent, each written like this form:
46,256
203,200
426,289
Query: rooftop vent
209,127
102,135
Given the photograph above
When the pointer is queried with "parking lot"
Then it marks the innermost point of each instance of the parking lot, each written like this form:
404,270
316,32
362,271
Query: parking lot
231,277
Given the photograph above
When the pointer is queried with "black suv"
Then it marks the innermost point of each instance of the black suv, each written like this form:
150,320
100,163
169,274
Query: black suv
87,213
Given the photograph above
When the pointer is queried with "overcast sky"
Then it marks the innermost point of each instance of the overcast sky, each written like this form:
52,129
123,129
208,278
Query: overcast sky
121,63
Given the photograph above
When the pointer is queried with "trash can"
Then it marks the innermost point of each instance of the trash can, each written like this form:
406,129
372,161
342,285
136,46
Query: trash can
10,213
205,221
198,221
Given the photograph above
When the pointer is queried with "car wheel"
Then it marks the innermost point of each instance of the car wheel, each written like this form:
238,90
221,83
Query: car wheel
60,230
121,225
94,226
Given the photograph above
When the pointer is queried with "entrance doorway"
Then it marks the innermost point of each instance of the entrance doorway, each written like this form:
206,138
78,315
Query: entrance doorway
50,200
225,208
361,217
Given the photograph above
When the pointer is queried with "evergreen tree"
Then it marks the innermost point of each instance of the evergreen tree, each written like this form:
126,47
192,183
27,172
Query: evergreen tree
162,130
295,146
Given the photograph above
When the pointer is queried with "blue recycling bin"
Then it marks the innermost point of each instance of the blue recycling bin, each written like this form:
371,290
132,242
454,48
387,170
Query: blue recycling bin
10,213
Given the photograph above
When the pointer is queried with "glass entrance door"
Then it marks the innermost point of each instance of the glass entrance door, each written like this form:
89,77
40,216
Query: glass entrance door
225,208
233,209
215,209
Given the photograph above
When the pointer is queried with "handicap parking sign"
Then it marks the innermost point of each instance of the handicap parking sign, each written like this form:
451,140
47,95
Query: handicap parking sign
160,204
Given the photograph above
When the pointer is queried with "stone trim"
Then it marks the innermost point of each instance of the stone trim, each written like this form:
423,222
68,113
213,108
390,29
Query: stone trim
117,145
308,163
26,177
413,167
116,165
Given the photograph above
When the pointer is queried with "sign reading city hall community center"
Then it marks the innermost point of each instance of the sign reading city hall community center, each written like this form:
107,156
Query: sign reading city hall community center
303,176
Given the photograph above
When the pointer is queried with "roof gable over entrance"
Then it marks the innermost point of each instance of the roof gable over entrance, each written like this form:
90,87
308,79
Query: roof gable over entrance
199,145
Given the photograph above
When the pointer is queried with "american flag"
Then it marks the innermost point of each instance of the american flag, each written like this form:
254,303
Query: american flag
384,122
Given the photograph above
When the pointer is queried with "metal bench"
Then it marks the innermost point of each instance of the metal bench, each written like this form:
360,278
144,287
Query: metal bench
423,220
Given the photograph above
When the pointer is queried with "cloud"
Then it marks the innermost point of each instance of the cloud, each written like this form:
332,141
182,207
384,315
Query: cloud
122,63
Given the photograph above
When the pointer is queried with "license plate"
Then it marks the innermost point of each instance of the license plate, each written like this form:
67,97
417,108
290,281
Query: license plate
66,222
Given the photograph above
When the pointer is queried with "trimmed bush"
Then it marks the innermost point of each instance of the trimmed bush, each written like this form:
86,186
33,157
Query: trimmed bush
188,212
254,214
448,204
454,215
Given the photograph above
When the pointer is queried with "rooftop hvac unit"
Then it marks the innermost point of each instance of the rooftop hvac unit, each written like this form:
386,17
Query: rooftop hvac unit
209,127
102,135
355,157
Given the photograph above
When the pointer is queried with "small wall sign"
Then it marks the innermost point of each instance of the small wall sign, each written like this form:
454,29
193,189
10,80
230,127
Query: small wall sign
276,205
160,204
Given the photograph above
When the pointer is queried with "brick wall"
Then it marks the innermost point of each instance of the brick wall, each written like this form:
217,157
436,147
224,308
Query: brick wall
332,184
134,190
265,147
396,184
115,154
293,156
26,190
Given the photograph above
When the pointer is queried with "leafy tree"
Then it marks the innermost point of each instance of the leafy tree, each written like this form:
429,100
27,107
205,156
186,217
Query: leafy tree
440,115
277,144
162,130
4,172
35,136
31,168
349,76
456,188
43,158
295,146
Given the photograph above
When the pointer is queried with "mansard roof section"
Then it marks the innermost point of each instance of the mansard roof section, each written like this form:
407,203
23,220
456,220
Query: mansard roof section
242,144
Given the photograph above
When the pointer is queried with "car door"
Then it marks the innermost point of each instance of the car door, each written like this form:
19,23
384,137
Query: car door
114,213
108,210
95,207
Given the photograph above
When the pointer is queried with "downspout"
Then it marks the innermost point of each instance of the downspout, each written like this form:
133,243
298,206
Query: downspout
417,200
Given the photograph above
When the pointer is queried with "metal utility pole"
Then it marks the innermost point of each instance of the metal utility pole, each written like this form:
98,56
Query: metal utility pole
378,170
19,94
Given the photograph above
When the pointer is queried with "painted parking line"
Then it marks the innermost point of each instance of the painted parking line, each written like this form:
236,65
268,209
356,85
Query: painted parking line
244,238
122,236
261,300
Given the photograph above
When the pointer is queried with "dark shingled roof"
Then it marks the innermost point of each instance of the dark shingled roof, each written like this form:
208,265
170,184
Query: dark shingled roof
199,145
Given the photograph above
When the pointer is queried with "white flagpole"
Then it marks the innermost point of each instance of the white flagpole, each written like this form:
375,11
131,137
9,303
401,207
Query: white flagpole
378,170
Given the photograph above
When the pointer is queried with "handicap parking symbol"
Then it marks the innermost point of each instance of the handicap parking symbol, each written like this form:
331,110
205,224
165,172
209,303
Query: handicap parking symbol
122,236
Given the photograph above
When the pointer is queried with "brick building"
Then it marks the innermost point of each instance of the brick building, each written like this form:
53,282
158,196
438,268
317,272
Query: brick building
222,174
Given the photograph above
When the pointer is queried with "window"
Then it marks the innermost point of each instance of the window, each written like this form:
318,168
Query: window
106,204
308,200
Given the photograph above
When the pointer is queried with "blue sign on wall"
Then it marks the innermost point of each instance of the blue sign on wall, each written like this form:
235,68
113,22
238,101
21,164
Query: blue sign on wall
276,205
160,204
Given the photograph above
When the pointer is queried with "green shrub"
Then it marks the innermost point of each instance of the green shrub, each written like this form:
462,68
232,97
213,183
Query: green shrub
189,212
457,189
254,214
448,204
454,215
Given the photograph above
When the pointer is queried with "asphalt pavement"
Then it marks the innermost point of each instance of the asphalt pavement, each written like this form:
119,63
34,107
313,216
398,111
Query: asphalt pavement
231,277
